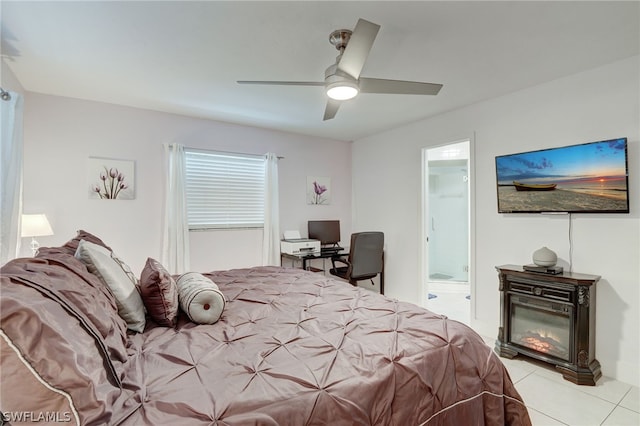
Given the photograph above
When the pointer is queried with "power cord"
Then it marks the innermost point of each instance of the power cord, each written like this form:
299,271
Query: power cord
570,244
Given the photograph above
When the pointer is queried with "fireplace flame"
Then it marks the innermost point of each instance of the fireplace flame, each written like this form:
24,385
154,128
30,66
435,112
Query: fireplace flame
546,334
537,344
544,341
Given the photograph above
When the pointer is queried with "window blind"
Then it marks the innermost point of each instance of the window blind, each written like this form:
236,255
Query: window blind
224,190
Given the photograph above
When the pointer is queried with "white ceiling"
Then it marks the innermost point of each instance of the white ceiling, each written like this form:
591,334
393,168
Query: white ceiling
185,57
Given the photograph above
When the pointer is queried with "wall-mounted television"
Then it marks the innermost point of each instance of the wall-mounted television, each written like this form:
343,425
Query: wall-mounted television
587,178
327,231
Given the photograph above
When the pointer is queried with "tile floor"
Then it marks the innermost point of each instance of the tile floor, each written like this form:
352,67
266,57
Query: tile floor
551,399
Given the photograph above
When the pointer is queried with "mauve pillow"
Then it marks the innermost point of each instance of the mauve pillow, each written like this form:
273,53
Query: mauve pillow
159,293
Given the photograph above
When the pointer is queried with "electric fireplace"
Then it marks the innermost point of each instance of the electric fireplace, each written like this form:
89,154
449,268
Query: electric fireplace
550,318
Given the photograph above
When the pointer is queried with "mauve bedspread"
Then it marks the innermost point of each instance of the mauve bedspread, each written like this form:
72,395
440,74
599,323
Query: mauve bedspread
296,348
291,348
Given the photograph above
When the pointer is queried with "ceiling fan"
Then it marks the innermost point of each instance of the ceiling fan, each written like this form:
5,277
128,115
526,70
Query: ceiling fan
342,80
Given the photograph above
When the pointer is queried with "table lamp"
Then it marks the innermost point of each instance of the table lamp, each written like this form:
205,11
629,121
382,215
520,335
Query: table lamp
35,225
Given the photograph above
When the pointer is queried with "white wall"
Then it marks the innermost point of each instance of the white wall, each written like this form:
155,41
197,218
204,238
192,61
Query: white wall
593,105
9,80
61,133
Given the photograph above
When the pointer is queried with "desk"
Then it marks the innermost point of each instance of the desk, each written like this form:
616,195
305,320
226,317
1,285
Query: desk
306,257
342,253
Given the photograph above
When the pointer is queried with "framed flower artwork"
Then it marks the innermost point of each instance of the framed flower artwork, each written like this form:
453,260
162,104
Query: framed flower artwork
318,190
110,179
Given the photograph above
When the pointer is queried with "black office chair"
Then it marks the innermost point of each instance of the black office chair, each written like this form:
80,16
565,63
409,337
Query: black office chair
365,261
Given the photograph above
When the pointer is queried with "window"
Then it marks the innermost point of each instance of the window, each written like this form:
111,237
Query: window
224,190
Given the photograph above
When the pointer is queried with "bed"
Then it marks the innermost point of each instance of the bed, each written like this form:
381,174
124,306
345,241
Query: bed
290,348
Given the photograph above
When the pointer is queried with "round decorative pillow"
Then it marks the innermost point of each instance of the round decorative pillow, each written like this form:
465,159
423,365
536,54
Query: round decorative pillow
200,298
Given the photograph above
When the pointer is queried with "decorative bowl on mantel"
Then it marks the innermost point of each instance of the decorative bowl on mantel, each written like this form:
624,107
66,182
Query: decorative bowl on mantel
544,257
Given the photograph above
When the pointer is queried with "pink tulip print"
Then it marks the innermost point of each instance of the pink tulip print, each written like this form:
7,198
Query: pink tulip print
318,192
113,181
112,184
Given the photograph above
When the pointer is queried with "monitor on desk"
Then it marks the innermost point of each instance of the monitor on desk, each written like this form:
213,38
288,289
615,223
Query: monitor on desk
327,231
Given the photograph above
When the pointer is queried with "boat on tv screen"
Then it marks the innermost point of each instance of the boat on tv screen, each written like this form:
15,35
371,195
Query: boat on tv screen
586,178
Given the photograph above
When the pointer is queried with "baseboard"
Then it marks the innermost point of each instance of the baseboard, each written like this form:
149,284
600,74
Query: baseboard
625,372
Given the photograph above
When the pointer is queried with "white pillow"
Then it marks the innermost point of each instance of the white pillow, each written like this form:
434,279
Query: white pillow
200,298
116,275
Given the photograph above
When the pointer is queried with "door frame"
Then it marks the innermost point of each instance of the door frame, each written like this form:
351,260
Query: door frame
424,222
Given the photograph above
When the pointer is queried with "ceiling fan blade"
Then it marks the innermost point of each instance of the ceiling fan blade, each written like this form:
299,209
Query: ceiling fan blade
400,87
358,47
284,83
331,109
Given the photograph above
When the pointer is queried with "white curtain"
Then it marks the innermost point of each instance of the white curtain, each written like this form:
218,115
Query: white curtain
271,236
11,176
175,238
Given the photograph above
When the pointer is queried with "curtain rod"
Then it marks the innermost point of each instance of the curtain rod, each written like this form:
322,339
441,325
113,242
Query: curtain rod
226,152
5,96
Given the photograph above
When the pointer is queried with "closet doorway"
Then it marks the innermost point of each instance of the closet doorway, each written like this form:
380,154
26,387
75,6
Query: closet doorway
446,227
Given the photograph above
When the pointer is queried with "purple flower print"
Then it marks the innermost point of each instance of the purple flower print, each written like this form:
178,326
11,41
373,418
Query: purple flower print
318,191
110,185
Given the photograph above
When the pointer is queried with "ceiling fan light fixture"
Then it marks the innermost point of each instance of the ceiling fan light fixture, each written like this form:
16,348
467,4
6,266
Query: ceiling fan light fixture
342,79
342,90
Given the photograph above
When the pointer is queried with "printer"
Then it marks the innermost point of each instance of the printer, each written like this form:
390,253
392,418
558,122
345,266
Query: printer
300,246
293,244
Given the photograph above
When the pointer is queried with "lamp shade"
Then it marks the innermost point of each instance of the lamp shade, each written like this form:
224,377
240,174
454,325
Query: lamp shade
35,225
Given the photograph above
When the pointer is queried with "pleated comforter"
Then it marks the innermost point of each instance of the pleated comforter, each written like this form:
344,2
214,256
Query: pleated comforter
291,348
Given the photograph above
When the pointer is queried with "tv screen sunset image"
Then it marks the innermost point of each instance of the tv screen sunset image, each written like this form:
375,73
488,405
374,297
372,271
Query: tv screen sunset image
586,178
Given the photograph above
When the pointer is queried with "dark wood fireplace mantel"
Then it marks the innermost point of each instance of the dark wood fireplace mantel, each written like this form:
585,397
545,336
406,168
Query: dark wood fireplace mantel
550,318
